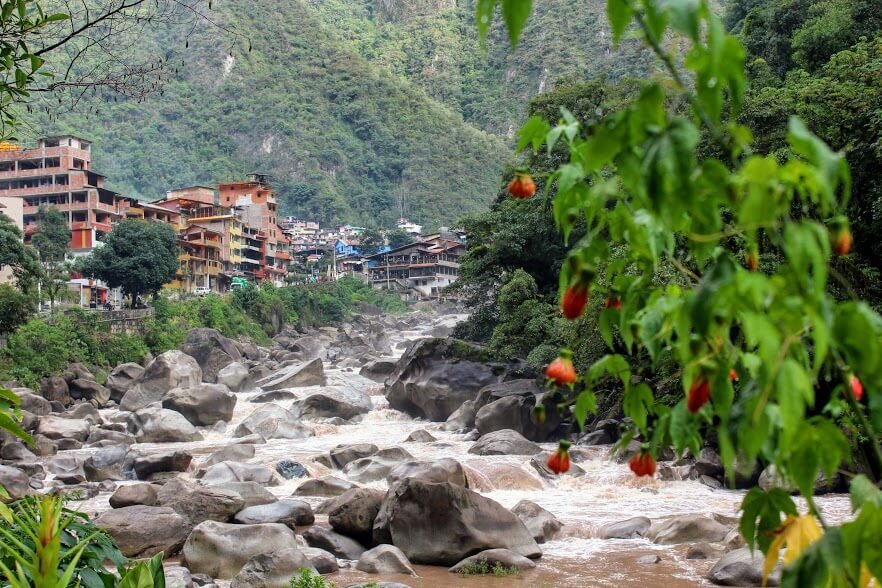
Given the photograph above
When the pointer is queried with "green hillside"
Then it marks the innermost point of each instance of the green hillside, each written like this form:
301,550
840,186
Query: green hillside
349,105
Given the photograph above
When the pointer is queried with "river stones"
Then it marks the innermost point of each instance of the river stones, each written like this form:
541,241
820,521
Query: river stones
628,529
435,376
231,471
134,494
328,486
272,570
161,425
211,350
203,405
343,454
235,376
235,452
54,389
687,529
287,511
371,469
463,418
332,542
271,421
445,469
251,492
143,531
32,403
354,511
220,550
310,373
169,370
504,442
57,427
420,436
542,524
440,524
496,557
147,465
199,503
107,464
121,379
742,567
340,401
15,482
384,559
323,561
515,410
378,370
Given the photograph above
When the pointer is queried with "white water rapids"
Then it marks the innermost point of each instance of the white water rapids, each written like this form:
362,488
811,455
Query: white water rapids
608,492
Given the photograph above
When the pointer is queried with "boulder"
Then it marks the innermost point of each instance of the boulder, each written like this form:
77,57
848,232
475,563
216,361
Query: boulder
687,529
287,511
515,411
345,402
84,411
340,546
161,425
147,465
321,560
435,376
199,503
273,422
15,482
539,522
251,492
32,403
100,437
272,396
16,451
503,558
770,478
54,389
445,469
384,559
742,567
169,370
67,468
504,442
343,454
235,376
272,570
420,436
203,404
632,528
355,512
107,464
143,531
310,373
122,378
89,390
235,452
371,469
463,418
440,524
220,550
211,350
76,371
232,471
327,486
134,494
56,427
378,370
708,463
290,469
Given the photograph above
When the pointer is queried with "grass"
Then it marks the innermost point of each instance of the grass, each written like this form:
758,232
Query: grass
308,579
482,567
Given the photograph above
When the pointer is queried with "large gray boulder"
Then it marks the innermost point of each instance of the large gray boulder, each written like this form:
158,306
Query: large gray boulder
689,528
345,402
333,542
146,466
542,524
384,559
374,468
143,531
327,486
231,471
435,376
15,481
54,389
199,503
445,469
161,425
271,421
220,550
235,376
741,567
515,411
89,390
107,464
493,558
355,512
134,494
632,528
504,442
57,427
122,378
169,370
251,492
463,418
440,524
203,404
32,403
378,370
343,454
272,570
211,350
310,373
288,511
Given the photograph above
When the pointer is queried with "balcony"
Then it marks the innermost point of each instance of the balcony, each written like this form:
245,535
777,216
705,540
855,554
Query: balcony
203,242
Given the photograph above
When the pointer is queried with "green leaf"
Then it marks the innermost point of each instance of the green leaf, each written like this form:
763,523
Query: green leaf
515,14
684,16
636,403
619,13
586,403
761,515
533,133
863,491
57,16
484,17
794,392
833,173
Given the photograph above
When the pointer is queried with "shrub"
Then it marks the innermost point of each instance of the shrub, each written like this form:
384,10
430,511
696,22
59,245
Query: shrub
307,579
482,567
15,308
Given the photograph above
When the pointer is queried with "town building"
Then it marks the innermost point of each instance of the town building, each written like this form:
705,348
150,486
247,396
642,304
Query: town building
419,270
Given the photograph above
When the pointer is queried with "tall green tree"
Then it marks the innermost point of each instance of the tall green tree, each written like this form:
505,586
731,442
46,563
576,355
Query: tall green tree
137,256
14,254
371,241
52,242
399,238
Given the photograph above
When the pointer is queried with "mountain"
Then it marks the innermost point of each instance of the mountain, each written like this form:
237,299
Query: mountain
354,107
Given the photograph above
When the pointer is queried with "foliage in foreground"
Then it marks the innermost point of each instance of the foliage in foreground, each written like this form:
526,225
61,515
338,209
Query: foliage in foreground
482,567
308,579
768,359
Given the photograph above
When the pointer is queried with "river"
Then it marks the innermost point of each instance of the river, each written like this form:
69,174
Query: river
608,492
